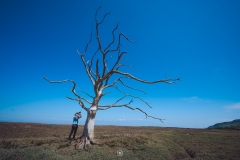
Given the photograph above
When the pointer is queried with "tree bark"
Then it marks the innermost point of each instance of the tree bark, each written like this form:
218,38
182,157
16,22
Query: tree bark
89,124
87,136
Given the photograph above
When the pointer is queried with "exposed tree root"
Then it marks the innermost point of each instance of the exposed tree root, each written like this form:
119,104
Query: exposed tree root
83,143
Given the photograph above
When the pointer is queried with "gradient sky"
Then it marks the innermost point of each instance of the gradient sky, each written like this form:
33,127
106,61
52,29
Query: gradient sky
198,41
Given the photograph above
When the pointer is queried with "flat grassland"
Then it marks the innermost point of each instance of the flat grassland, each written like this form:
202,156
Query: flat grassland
42,141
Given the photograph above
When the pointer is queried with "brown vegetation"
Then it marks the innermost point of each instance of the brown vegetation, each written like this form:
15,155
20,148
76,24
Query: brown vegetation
40,141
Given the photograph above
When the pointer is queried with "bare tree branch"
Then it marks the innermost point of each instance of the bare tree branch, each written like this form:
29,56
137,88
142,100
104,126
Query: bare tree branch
92,73
103,94
73,90
127,66
97,32
85,51
132,87
109,45
111,85
86,68
103,17
127,105
126,95
97,69
93,58
168,80
105,77
99,44
118,60
110,73
119,79
67,80
119,43
85,93
83,106
82,97
79,101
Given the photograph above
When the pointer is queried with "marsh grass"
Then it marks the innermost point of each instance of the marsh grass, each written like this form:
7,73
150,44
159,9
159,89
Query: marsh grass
40,141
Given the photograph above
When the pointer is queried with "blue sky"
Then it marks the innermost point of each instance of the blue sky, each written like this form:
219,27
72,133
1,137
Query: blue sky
196,40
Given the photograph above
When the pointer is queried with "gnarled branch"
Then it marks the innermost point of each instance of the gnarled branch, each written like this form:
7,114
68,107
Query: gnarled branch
113,38
85,93
86,68
73,90
119,42
127,106
132,87
97,30
167,80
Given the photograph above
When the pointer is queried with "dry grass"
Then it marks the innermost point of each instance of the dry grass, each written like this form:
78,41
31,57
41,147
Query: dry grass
40,141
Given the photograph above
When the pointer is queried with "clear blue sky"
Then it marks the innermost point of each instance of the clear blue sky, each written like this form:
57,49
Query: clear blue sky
196,40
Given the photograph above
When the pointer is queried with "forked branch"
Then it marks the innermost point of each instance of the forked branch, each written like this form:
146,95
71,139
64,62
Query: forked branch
73,91
167,80
86,67
97,30
132,87
127,106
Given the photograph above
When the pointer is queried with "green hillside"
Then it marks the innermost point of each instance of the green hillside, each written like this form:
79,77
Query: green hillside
235,124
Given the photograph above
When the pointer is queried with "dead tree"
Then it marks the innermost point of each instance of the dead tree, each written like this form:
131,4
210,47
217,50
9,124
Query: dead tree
99,72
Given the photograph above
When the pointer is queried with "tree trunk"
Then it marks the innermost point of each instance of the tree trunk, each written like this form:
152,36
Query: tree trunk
88,130
87,136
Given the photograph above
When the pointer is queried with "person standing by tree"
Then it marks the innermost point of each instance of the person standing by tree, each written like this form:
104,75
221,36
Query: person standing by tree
101,73
77,115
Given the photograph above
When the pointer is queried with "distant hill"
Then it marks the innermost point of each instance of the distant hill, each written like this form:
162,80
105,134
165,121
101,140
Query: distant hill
233,124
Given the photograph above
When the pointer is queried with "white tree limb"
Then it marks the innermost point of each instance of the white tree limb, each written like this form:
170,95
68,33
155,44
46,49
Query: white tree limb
119,42
168,80
73,90
79,101
86,68
132,87
93,58
85,93
97,30
127,95
113,35
127,106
